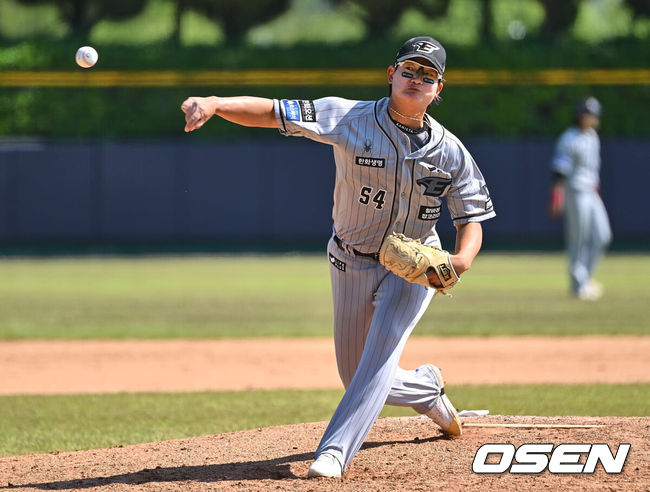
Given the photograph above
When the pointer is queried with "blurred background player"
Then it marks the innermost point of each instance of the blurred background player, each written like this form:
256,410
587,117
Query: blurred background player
575,193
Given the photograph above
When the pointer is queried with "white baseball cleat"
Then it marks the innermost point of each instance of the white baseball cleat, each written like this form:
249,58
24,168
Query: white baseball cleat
443,412
591,291
326,465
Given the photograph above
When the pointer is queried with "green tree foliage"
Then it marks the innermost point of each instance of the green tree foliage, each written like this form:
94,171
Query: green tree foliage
82,15
486,19
639,7
236,17
560,16
381,15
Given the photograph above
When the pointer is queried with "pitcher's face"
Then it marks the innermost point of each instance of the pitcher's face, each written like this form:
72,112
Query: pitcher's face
414,83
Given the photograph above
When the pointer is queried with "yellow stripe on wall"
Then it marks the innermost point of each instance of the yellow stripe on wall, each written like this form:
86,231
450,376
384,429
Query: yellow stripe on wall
315,77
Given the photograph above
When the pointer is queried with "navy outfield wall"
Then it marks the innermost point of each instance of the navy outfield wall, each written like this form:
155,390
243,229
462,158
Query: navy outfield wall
267,191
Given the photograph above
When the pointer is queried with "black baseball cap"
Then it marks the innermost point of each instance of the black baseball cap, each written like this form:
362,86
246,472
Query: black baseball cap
423,47
590,105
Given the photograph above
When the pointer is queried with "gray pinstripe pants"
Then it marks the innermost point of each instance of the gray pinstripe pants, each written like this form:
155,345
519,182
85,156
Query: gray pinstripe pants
587,234
374,314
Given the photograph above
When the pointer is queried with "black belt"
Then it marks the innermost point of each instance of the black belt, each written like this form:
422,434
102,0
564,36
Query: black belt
339,243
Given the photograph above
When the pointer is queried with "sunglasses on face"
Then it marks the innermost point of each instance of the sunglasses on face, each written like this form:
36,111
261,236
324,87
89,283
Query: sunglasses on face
411,69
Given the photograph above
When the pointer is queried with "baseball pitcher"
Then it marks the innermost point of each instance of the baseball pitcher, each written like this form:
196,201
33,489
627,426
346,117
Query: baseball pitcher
395,165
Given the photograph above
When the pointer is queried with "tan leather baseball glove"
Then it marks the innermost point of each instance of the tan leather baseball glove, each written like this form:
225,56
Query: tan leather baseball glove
410,259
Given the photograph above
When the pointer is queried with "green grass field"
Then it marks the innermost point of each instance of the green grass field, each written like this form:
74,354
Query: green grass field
245,296
36,424
284,295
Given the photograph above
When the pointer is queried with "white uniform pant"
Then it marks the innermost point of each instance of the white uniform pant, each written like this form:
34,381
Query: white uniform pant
587,233
374,314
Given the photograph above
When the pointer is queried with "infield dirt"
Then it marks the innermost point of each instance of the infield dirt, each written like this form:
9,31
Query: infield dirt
47,367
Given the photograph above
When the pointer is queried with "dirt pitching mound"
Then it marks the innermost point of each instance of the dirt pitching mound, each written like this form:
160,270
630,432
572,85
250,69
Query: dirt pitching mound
400,454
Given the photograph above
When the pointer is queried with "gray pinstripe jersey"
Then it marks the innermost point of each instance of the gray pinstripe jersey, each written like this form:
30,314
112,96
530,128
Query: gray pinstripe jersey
381,186
577,157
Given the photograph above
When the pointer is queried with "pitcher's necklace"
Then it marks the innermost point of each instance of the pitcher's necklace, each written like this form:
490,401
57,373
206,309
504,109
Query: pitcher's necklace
404,116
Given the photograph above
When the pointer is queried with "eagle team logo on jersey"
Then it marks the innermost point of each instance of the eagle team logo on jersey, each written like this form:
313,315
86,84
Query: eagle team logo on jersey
367,146
434,185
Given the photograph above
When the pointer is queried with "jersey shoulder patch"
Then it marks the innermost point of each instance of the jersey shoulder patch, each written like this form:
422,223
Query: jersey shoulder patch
299,110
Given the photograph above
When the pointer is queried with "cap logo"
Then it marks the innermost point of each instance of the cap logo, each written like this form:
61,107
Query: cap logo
425,47
592,105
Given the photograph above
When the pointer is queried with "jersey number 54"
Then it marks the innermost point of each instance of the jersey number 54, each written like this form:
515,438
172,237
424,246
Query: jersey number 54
378,199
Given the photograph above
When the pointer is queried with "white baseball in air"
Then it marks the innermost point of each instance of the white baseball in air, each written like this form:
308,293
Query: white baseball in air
86,56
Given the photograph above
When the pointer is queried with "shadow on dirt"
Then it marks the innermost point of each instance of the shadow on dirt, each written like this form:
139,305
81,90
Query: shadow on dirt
274,469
